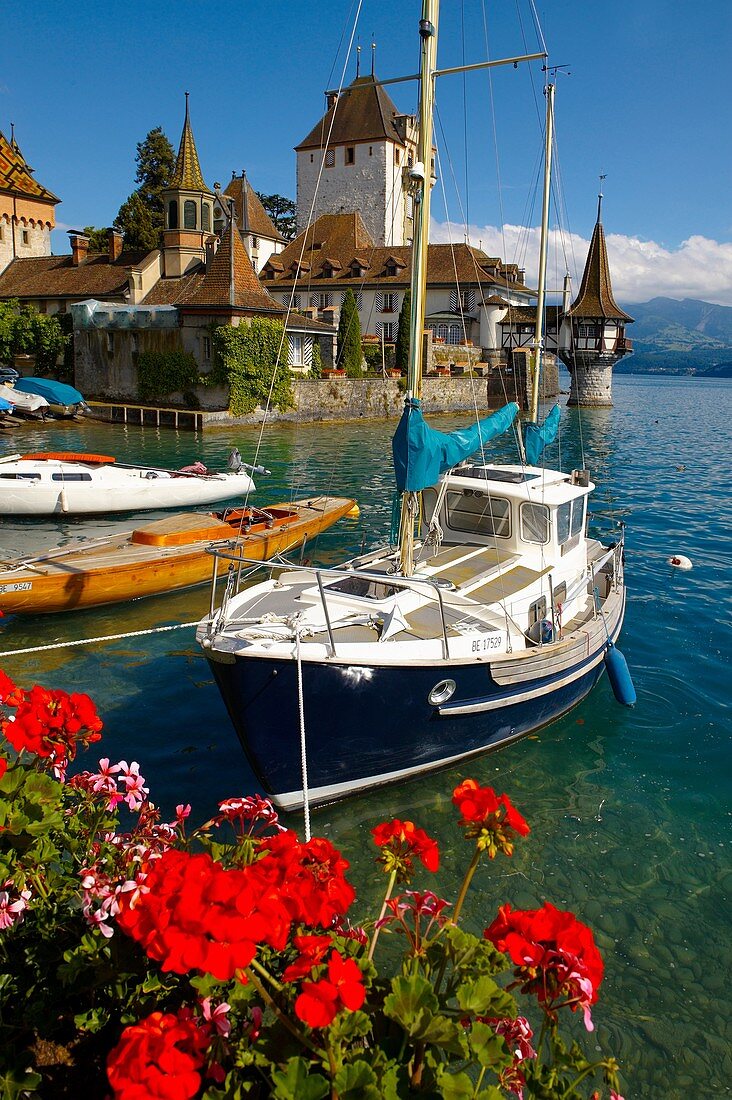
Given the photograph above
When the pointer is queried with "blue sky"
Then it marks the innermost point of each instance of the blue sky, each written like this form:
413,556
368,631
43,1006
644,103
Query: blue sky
646,104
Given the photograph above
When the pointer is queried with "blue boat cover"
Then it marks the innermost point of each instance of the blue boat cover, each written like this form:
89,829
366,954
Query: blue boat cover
422,453
539,436
5,406
58,393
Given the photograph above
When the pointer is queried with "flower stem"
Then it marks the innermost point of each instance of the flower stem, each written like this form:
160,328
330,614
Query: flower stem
374,938
284,1020
266,974
466,883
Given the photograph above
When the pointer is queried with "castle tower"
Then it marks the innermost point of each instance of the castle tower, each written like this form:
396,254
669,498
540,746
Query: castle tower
188,205
365,147
596,329
27,210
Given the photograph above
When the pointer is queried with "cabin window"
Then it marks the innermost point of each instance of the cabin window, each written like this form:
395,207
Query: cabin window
559,594
477,513
564,515
206,218
173,215
20,477
189,214
330,158
71,477
350,155
537,611
569,521
578,515
534,522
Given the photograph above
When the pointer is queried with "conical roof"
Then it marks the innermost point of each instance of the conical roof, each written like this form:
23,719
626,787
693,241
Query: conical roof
187,175
595,297
362,112
17,177
214,290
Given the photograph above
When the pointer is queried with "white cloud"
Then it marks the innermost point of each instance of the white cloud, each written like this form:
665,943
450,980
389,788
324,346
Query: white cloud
699,268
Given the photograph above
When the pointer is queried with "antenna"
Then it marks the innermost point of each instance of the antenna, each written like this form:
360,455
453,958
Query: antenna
358,61
373,56
599,198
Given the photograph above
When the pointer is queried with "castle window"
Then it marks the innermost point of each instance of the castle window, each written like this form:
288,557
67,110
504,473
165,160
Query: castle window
206,217
398,156
206,341
189,214
371,150
312,158
2,233
330,158
350,155
389,305
296,351
26,236
173,215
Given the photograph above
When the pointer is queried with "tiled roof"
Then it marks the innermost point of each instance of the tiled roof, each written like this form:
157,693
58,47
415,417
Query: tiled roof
526,315
17,177
344,238
214,288
595,297
56,276
187,174
172,291
258,220
362,112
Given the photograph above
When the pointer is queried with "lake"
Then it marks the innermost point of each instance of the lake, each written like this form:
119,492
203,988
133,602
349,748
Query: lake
630,809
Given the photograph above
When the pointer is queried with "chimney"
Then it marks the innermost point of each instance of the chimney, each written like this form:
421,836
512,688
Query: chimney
79,246
116,241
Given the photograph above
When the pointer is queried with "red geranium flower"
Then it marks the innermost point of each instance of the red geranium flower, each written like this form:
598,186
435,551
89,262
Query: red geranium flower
489,818
9,693
401,842
313,950
554,954
320,1002
51,724
161,1056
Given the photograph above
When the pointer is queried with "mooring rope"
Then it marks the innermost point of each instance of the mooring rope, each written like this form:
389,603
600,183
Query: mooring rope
103,638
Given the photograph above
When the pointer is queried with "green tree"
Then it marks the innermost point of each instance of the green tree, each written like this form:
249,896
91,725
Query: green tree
98,238
401,352
350,354
281,211
141,217
134,222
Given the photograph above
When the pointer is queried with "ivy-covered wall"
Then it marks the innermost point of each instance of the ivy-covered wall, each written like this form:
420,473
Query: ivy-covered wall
246,359
162,373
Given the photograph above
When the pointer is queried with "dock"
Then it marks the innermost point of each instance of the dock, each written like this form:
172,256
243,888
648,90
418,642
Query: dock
146,416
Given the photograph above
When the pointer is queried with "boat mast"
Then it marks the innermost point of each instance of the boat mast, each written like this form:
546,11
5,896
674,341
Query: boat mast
535,368
420,176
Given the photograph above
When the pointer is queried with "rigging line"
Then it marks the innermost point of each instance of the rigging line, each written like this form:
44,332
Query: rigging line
303,745
309,223
103,638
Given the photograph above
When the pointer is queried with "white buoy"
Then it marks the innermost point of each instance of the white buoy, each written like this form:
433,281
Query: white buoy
679,561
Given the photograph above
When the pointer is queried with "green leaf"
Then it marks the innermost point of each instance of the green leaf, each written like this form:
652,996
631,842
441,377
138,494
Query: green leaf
457,1086
16,1082
412,1003
357,1081
484,997
348,1026
296,1083
489,1049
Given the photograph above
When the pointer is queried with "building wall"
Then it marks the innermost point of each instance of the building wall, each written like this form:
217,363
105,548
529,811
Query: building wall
32,238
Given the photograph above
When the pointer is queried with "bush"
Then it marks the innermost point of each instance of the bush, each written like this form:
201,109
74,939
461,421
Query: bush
160,373
350,355
25,331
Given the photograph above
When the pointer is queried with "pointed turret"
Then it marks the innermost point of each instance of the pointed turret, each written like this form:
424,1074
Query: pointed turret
27,209
594,328
188,208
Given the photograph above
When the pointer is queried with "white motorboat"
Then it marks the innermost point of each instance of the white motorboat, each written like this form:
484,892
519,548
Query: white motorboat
25,404
68,483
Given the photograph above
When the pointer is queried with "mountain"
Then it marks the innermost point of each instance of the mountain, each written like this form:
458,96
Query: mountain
679,337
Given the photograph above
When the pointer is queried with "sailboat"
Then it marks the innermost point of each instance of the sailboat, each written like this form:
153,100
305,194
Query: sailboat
494,615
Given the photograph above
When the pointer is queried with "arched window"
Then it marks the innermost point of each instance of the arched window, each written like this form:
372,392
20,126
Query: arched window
172,214
454,336
189,214
442,332
206,218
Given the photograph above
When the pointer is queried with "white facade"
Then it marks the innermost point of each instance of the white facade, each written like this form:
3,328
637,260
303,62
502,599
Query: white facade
368,177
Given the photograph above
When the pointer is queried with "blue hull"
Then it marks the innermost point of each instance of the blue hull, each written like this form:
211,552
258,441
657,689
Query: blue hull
362,731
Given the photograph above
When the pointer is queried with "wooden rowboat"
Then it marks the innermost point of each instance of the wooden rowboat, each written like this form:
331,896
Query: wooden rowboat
162,556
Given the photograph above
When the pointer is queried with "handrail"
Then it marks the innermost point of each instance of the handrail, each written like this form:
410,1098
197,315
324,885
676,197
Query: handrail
408,583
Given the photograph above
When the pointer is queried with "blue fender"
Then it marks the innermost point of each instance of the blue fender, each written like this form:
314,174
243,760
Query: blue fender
619,676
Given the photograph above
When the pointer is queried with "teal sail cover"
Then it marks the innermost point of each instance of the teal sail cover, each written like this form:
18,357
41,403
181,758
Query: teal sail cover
539,436
422,453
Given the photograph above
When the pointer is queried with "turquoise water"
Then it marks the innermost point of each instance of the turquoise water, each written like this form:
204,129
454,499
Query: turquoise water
630,809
